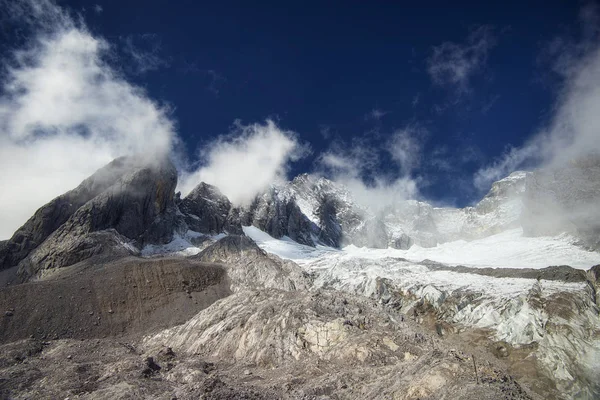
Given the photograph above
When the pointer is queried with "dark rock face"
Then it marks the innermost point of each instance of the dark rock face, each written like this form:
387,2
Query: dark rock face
279,217
595,270
51,216
125,204
404,242
335,220
331,230
208,211
299,228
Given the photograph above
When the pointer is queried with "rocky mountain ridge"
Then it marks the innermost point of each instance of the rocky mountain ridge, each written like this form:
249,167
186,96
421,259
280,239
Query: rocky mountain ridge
130,203
127,204
217,322
312,210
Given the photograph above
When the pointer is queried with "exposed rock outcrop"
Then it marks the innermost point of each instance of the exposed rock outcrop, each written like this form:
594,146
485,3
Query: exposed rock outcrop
129,203
208,211
51,216
332,345
250,267
278,214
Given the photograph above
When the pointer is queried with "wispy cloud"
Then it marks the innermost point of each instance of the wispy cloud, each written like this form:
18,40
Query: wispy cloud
326,131
145,52
376,114
215,81
487,106
405,147
416,100
440,159
358,166
65,112
246,161
573,130
356,159
514,158
454,64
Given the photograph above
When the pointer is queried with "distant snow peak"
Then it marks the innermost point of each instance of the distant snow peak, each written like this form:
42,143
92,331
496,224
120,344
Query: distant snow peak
313,210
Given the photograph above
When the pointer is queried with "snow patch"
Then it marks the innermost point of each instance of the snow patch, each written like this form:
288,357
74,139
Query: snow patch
508,249
181,245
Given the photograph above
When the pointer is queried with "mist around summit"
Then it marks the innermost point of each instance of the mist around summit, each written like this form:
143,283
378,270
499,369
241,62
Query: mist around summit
67,109
136,263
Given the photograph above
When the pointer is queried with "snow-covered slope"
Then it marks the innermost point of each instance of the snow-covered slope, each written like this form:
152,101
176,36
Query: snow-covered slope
509,249
554,319
338,219
482,268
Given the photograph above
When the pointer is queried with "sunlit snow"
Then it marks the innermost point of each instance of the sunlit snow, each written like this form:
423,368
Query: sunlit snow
509,249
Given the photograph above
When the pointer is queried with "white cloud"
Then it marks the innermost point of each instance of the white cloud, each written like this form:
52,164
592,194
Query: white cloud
376,114
405,147
144,51
453,64
65,112
246,162
349,160
380,192
338,162
574,130
357,167
513,159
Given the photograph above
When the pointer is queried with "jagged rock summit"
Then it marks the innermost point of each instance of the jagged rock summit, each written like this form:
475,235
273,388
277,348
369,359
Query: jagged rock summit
315,211
131,203
124,205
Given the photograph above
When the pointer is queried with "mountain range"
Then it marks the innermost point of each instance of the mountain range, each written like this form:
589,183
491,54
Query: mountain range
307,277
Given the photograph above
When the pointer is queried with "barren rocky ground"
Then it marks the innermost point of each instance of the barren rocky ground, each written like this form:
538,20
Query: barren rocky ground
166,328
103,297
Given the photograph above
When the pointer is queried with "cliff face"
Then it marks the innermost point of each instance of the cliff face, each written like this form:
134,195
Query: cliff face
130,203
127,204
52,215
313,211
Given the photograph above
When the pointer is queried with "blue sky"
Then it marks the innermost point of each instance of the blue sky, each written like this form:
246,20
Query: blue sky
431,94
346,70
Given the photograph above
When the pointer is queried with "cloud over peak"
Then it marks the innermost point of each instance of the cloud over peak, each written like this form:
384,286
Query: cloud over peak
574,129
65,112
245,162
357,165
453,64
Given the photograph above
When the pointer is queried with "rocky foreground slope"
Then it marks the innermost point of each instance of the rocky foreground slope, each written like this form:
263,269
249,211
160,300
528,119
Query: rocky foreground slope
120,289
267,340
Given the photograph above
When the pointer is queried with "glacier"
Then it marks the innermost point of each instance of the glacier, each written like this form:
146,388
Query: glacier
554,318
